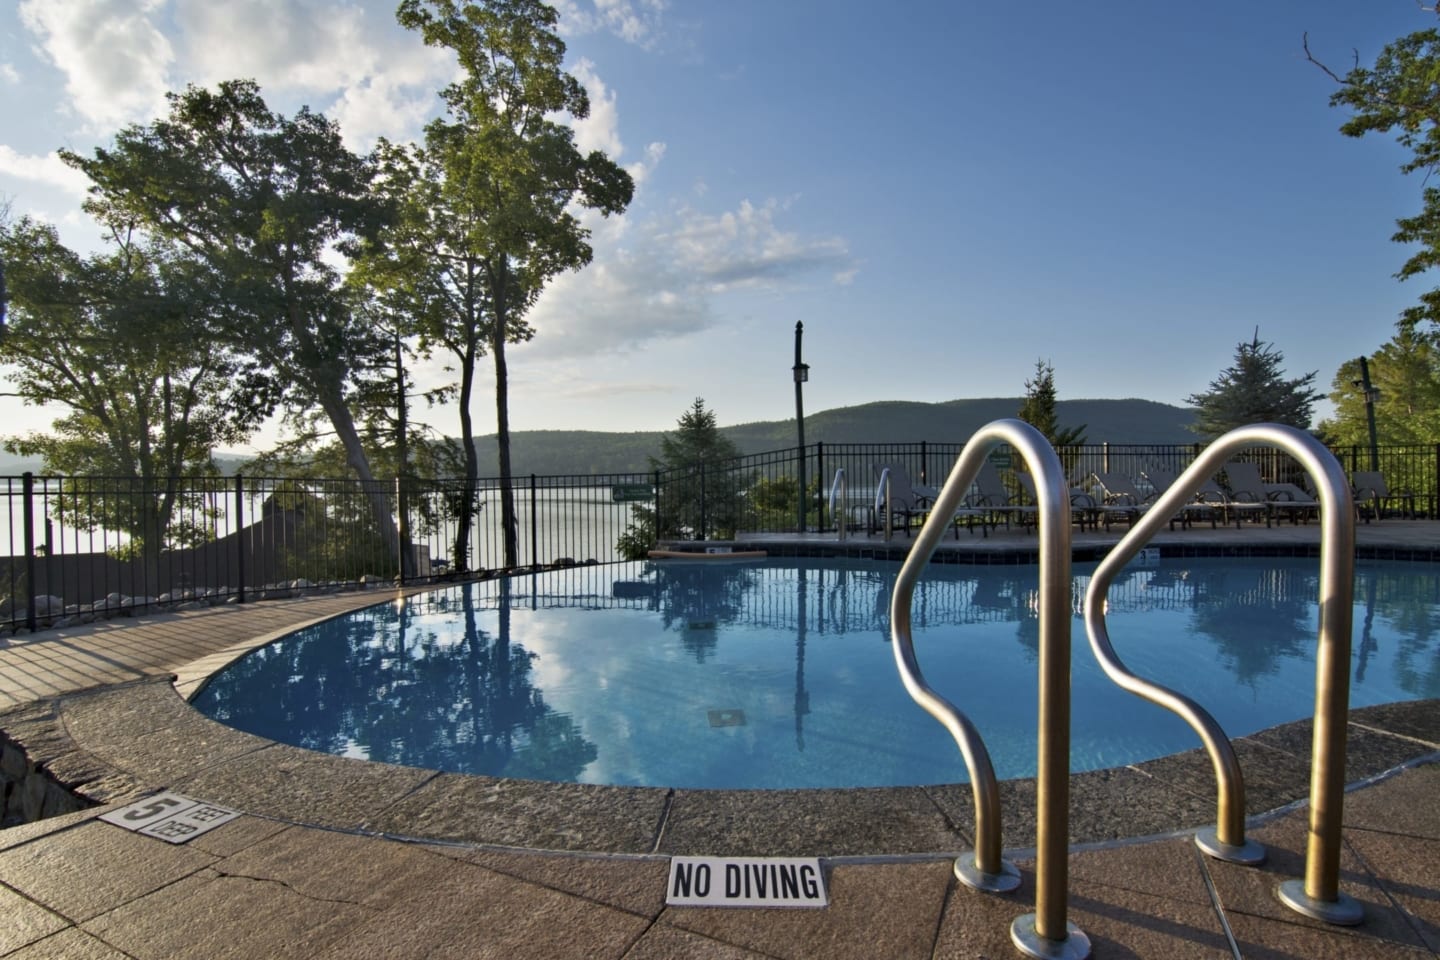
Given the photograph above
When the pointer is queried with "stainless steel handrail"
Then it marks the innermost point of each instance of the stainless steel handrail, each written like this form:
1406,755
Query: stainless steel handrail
882,502
837,489
1046,932
1319,896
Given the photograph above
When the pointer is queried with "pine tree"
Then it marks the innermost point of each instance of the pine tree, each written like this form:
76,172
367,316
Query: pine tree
1254,390
1039,409
695,500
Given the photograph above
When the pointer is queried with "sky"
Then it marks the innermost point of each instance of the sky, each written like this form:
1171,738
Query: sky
942,192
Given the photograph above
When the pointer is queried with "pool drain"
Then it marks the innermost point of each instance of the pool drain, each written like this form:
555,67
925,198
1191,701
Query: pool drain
727,718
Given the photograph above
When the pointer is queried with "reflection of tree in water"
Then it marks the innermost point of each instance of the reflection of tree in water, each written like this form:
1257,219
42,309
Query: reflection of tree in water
1408,601
696,597
1255,617
471,706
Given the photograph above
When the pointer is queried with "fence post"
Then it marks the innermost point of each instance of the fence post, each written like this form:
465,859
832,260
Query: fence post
534,534
924,464
658,528
700,534
240,536
28,489
402,529
820,519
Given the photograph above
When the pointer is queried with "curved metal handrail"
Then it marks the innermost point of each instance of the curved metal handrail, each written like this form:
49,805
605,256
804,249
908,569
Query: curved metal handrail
1320,896
838,490
1046,930
882,502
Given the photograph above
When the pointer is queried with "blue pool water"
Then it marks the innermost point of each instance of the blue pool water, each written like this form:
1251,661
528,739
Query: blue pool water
779,674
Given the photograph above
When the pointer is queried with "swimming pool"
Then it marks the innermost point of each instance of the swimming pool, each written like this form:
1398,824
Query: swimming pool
779,674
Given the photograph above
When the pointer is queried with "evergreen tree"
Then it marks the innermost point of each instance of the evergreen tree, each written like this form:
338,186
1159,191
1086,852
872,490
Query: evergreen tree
693,503
1039,408
1254,390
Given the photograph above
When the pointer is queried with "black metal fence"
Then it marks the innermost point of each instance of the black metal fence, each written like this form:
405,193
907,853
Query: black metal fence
82,547
86,547
760,493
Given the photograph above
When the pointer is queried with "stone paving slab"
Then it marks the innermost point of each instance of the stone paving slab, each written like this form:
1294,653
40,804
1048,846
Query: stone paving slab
266,886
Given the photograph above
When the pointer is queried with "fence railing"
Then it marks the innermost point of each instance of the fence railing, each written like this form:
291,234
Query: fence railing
82,547
87,547
757,493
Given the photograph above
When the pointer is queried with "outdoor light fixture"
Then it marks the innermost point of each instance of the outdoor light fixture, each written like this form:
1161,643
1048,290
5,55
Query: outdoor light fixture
802,373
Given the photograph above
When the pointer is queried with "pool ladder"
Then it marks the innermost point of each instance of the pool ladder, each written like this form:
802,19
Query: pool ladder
1047,933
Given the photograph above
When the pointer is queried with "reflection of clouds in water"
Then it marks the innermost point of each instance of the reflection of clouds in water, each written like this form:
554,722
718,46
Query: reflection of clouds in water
627,677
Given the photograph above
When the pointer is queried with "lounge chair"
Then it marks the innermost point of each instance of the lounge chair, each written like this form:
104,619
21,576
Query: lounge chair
1120,499
1084,508
1210,501
1372,492
909,502
1246,484
990,493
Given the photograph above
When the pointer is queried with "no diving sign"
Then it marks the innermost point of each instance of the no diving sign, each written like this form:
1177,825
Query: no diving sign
746,882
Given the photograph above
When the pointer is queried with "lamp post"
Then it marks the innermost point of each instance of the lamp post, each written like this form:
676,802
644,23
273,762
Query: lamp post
802,373
1371,395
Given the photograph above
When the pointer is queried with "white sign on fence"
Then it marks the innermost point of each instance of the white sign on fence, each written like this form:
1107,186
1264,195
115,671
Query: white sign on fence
746,882
170,816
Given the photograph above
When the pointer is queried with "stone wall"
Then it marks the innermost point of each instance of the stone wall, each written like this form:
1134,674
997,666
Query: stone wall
27,792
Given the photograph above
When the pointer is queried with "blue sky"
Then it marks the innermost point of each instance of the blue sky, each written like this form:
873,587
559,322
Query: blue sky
943,192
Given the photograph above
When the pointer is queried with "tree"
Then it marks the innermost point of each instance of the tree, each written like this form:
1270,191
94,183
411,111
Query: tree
122,339
262,199
1039,408
1398,94
427,274
511,173
691,503
1254,390
1406,371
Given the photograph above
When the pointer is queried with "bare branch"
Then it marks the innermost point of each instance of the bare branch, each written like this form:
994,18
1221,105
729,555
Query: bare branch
1305,44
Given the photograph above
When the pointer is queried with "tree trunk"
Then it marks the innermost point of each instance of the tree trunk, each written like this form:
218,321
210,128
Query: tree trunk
508,520
468,493
375,491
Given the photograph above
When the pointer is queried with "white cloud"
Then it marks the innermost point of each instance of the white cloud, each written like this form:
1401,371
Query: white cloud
114,58
745,248
290,44
657,279
640,170
383,78
634,21
48,169
8,73
600,130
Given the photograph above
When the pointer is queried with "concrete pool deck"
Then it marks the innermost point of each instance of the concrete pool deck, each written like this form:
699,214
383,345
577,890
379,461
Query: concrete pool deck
335,857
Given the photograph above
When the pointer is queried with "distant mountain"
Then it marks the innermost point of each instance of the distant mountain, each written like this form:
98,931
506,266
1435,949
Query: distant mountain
563,452
559,452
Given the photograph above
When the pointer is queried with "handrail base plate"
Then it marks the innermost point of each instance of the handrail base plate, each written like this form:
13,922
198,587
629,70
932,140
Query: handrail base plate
1248,854
1075,946
970,874
1344,911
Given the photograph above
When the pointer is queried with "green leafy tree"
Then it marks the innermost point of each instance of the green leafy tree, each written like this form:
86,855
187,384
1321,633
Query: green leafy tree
1039,409
1397,95
507,178
122,339
1406,371
261,199
693,501
1254,390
